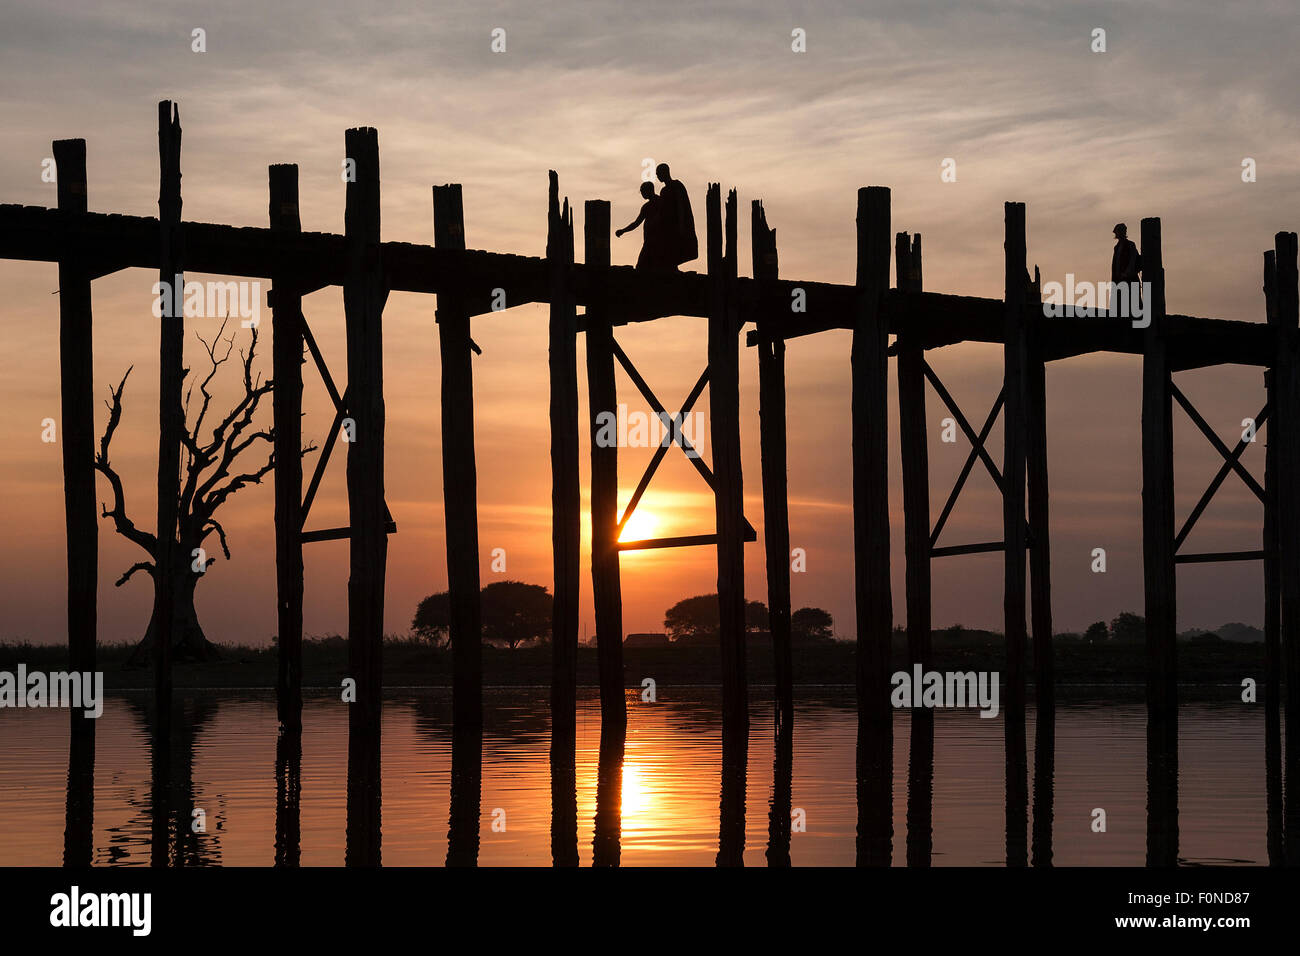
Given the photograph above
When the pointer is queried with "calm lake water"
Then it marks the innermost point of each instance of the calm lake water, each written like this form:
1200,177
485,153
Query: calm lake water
670,784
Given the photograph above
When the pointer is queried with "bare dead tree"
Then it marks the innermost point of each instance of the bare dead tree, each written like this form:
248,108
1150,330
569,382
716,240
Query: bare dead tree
210,477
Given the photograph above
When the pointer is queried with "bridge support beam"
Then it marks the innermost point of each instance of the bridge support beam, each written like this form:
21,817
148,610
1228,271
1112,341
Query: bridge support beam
602,396
1158,566
286,401
77,441
724,422
1014,533
566,529
776,505
1040,586
364,296
913,442
870,404
1287,385
1272,593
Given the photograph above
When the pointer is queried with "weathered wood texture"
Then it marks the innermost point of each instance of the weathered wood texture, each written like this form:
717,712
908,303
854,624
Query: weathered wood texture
773,461
459,473
1014,536
364,295
1287,386
77,426
168,565
724,429
286,400
566,528
1159,576
870,443
602,397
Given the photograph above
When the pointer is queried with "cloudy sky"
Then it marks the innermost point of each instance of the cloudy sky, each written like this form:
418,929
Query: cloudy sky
1157,125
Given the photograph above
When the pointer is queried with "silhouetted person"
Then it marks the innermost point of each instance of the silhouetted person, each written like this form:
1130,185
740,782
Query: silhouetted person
656,242
678,218
1125,265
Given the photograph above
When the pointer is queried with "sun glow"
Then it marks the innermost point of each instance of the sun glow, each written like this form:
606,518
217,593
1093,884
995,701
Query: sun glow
640,526
636,796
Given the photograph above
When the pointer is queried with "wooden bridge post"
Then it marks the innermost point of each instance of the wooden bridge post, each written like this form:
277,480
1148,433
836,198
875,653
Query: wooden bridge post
602,396
724,432
913,441
76,387
1159,577
772,444
1288,463
459,472
870,404
1272,591
1040,581
364,295
916,468
286,400
1015,541
171,415
77,411
566,528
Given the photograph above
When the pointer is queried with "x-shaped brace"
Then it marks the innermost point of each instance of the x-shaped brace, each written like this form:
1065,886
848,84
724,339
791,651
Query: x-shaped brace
673,435
1231,462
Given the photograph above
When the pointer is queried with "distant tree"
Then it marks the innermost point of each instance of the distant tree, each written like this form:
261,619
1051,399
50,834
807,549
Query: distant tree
697,617
433,618
811,624
1096,632
1128,628
513,613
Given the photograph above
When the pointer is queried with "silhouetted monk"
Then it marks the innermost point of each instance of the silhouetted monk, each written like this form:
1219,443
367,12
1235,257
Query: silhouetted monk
678,220
1125,265
656,252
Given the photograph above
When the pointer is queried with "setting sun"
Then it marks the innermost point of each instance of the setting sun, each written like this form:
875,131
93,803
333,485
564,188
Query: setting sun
641,525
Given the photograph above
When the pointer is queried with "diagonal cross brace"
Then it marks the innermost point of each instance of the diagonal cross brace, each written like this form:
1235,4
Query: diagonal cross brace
676,436
1231,462
340,413
977,449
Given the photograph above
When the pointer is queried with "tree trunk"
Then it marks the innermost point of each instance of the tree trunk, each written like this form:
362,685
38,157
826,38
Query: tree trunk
188,641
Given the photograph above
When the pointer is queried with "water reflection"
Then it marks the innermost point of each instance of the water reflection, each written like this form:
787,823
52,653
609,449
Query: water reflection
288,796
781,805
662,792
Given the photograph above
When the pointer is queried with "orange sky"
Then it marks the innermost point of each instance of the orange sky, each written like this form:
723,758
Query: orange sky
1152,127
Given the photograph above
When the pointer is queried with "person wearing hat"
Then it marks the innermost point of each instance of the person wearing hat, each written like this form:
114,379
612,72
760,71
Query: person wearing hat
1125,264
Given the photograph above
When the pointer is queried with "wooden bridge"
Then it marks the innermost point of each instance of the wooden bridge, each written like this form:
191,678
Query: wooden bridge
469,282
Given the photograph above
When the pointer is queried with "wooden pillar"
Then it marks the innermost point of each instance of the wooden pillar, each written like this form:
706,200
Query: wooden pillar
1158,566
169,565
459,474
566,529
913,441
364,295
286,401
1040,583
1015,359
870,403
77,413
1287,379
916,467
76,386
602,396
772,444
1272,595
724,432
